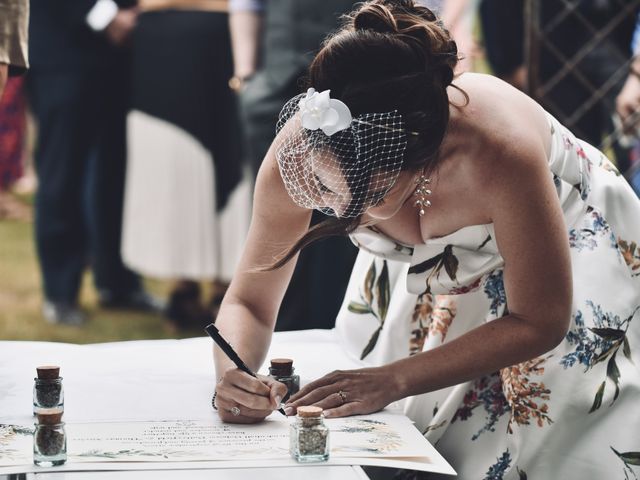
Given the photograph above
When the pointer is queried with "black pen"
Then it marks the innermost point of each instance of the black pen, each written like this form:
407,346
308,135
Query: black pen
231,353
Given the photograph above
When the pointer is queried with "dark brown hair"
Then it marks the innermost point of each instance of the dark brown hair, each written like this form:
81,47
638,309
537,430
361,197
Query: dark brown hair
388,55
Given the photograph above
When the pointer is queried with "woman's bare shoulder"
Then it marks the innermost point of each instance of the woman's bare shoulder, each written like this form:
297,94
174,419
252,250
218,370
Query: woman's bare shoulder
494,141
501,123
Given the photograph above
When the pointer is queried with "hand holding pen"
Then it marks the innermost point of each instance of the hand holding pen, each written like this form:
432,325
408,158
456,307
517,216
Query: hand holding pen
247,400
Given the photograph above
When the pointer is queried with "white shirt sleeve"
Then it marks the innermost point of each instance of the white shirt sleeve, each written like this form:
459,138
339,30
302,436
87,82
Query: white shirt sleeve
247,5
101,15
635,42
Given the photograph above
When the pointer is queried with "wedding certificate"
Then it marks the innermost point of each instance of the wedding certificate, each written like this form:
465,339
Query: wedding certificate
376,437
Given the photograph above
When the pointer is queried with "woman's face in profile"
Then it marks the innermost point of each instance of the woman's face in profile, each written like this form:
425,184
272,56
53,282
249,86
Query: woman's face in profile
335,192
331,186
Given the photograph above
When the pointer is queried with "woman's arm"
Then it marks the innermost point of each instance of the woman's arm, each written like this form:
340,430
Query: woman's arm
246,25
518,194
532,238
248,312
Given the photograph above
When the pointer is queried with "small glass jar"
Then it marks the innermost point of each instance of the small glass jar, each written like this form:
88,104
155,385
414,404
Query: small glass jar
282,370
47,393
309,436
49,440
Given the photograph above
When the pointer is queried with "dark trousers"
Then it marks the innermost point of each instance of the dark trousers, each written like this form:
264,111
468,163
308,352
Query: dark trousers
80,161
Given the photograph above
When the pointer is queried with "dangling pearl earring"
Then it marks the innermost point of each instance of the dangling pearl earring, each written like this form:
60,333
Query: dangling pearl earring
421,192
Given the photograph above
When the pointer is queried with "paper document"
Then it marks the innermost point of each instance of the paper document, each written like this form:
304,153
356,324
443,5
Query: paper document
382,436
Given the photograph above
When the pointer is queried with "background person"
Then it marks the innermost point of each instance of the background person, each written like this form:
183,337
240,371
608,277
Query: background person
13,43
186,208
14,15
79,92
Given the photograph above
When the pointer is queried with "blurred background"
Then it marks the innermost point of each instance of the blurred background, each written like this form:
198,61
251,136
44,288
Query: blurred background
129,148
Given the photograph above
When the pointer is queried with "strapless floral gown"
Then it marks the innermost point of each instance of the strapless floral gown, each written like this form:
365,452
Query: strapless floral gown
572,413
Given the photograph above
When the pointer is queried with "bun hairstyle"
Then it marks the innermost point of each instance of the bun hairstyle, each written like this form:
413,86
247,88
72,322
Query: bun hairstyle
393,55
388,55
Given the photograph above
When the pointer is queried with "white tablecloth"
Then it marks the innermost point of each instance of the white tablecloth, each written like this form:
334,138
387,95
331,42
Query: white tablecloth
158,380
143,380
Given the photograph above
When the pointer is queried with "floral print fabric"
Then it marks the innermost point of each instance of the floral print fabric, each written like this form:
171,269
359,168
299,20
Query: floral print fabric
572,413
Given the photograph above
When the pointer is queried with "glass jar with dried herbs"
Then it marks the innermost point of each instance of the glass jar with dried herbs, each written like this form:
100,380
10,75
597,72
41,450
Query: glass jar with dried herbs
47,389
49,439
309,436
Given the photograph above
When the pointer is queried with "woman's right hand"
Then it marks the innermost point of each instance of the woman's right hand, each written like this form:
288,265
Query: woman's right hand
242,398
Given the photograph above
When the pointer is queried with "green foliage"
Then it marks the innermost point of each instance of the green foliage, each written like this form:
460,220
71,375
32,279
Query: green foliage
21,301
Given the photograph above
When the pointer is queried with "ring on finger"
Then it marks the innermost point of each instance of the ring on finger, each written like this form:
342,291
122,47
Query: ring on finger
342,395
235,411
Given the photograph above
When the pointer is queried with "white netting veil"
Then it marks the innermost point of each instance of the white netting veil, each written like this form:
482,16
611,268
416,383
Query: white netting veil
332,162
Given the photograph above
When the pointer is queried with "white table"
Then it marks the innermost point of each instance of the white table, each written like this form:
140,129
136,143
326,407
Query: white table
327,472
156,380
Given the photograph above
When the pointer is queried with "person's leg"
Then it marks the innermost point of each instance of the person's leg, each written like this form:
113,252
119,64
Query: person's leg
117,285
502,24
184,307
65,131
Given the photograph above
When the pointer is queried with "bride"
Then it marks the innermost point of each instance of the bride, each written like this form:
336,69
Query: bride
498,280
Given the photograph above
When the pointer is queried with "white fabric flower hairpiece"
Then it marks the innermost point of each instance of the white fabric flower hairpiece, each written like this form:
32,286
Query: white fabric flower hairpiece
319,111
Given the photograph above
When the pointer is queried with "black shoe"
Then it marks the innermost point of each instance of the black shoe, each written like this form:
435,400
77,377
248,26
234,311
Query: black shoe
138,300
62,313
185,309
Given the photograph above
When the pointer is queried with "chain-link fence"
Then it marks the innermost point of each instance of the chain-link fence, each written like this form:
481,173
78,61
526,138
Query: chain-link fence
578,55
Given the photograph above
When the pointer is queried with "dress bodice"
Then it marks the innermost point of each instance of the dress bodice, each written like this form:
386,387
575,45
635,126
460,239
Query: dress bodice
456,263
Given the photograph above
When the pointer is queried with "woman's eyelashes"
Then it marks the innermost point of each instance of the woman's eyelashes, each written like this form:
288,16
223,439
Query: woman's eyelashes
377,199
323,188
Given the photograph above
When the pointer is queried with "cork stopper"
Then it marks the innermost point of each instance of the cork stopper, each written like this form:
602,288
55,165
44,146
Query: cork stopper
309,412
51,416
281,366
48,372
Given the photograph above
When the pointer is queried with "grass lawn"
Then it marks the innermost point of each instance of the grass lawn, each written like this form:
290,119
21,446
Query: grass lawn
21,301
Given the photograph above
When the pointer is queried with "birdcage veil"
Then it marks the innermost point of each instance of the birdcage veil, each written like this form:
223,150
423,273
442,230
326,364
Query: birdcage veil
333,162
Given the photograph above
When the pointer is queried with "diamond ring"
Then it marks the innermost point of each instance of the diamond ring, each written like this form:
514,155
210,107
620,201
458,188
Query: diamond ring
342,395
235,411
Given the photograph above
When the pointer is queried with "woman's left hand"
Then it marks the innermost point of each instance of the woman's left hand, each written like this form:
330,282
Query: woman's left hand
348,392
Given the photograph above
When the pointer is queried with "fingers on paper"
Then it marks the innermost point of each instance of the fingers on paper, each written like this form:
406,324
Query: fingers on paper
351,408
228,417
245,415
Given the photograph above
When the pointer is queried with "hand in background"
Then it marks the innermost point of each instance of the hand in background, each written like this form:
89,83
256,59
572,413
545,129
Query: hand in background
119,30
628,102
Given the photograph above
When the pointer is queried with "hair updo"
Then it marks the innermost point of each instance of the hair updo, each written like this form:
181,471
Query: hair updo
388,55
393,55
